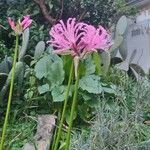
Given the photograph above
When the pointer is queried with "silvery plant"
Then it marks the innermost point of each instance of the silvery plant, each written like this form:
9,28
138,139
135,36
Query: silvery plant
120,45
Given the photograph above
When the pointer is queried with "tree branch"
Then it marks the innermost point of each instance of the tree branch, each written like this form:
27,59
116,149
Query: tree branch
62,9
82,15
45,12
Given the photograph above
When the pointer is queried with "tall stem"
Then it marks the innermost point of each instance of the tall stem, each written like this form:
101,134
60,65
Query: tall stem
72,110
64,110
10,94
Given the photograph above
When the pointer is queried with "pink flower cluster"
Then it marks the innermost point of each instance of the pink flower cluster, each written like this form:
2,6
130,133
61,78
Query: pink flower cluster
20,26
78,39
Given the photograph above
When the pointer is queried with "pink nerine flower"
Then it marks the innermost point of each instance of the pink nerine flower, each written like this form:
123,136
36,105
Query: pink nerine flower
78,39
96,39
20,26
66,38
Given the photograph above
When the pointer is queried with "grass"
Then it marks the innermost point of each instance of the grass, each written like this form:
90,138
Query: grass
19,133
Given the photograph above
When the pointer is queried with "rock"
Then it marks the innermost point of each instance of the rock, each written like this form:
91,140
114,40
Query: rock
43,136
28,146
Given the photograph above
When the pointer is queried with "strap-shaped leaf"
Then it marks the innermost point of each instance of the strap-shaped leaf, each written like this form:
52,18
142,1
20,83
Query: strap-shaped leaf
105,58
25,41
3,77
97,62
5,66
18,70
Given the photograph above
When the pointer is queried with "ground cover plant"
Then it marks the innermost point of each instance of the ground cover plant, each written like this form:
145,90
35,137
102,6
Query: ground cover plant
120,122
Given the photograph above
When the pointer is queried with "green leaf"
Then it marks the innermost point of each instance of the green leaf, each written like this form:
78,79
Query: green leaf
59,92
18,70
97,62
43,89
62,145
93,103
91,84
122,25
105,57
123,49
86,96
83,111
67,61
39,49
108,90
56,73
51,68
117,42
89,65
29,94
67,116
5,66
25,41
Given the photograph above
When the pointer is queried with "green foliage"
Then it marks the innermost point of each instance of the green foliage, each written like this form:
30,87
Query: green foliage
19,133
121,26
25,40
97,62
43,89
39,50
50,67
91,84
59,92
90,66
117,42
3,50
5,67
119,123
120,43
105,57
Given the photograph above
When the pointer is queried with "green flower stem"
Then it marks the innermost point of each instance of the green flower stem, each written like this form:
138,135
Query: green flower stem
64,109
55,133
72,110
10,95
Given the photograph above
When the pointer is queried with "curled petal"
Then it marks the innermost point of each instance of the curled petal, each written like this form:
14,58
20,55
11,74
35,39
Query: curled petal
95,39
12,24
66,36
26,22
